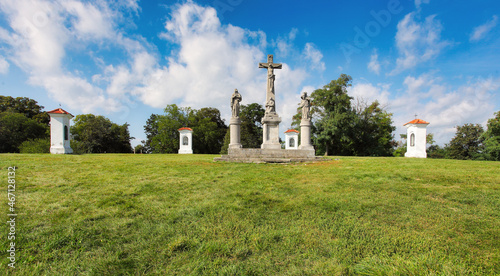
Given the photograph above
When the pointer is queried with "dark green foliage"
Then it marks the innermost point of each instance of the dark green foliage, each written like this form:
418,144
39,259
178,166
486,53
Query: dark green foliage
21,119
97,134
492,138
15,128
373,131
467,143
435,151
163,135
162,130
26,106
208,131
39,145
342,129
335,117
251,127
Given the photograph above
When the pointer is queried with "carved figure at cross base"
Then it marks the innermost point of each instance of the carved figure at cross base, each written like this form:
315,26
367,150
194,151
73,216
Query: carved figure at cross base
270,106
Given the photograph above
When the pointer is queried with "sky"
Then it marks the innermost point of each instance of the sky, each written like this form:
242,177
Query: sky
126,60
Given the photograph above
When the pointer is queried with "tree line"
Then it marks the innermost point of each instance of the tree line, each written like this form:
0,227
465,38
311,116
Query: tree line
341,126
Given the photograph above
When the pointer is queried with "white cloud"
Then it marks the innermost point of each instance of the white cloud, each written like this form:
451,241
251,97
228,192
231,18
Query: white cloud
374,64
480,32
368,93
4,66
418,42
444,106
314,57
209,59
418,3
43,32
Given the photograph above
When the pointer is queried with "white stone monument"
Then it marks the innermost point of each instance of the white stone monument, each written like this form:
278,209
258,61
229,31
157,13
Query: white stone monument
235,122
292,139
59,131
271,120
305,123
416,138
185,140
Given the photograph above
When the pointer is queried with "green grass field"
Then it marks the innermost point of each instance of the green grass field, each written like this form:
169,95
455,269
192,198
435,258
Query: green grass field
186,215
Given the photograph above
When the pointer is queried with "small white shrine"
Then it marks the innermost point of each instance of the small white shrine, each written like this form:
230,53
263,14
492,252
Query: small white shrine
292,139
185,140
416,138
59,131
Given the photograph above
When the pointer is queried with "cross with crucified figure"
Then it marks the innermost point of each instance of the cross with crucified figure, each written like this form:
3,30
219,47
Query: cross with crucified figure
270,66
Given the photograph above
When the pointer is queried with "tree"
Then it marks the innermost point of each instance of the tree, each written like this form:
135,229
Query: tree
26,106
208,130
467,143
97,134
331,105
342,128
162,130
492,138
251,127
15,128
373,131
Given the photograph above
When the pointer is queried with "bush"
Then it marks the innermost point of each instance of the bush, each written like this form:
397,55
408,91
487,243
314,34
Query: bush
35,146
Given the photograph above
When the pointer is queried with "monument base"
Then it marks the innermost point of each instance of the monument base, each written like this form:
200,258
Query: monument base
271,133
269,156
61,150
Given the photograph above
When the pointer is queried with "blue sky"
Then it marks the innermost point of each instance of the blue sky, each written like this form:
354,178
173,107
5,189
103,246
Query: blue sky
128,60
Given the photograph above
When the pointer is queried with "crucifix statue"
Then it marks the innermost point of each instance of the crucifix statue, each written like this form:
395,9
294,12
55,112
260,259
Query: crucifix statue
270,77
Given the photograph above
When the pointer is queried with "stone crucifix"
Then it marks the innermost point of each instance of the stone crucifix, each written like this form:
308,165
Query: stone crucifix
270,66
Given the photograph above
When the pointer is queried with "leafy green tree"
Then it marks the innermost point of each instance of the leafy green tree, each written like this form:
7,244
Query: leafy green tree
163,136
467,143
492,138
15,128
373,131
335,117
251,127
26,106
162,130
208,131
97,134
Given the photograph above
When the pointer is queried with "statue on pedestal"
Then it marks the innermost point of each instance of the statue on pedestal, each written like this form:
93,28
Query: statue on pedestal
305,104
235,103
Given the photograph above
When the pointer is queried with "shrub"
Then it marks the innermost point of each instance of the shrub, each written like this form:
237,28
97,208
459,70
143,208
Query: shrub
38,145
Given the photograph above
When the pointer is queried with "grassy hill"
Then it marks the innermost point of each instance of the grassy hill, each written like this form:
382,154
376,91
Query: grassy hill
186,215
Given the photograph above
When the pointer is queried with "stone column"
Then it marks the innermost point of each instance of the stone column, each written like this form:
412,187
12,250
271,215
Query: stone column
234,132
305,135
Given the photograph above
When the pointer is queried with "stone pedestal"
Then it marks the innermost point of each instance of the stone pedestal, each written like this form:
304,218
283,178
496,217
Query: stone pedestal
234,133
271,135
305,135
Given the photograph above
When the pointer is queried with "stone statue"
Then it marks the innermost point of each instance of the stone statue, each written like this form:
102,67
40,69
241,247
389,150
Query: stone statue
305,104
270,106
235,103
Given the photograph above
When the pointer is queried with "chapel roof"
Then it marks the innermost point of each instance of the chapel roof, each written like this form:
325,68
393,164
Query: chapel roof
291,130
417,122
60,111
185,128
